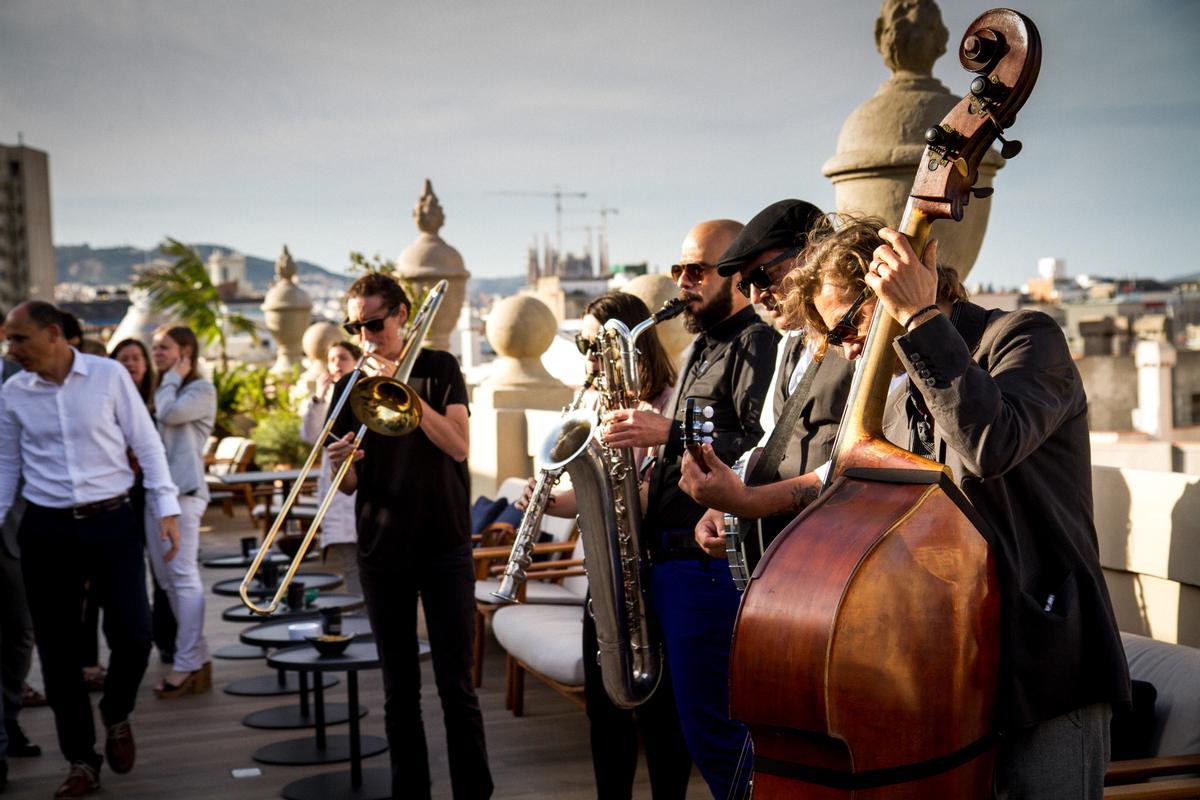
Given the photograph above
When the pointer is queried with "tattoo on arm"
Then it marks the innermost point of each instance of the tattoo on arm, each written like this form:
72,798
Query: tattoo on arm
804,494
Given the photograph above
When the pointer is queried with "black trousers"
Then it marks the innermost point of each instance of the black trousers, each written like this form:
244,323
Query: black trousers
614,736
59,554
446,584
16,637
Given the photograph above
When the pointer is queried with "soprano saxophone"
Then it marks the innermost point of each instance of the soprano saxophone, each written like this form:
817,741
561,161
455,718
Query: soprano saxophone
559,447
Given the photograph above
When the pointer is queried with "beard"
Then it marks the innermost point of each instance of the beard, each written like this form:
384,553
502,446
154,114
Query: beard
711,312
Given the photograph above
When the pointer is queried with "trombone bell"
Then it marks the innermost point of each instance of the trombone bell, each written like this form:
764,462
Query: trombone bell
386,405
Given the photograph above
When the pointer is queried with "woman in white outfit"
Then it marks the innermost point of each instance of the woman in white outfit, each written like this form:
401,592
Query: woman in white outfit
339,537
185,408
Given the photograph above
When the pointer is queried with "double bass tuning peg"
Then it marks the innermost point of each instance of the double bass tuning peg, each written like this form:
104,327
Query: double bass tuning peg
981,192
1009,148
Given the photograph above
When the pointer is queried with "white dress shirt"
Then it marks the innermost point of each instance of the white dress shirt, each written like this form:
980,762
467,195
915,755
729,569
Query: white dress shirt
767,418
69,441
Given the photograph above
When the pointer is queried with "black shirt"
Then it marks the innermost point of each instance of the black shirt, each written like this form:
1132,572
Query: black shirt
730,369
412,497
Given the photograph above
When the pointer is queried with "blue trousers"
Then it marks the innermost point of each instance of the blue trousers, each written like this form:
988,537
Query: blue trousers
696,604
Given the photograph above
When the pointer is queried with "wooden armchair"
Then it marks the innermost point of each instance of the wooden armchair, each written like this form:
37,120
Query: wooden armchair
545,640
492,550
233,454
1173,768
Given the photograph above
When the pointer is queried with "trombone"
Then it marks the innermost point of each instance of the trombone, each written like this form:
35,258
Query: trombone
381,403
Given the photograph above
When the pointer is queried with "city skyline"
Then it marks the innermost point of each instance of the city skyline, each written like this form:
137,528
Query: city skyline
255,125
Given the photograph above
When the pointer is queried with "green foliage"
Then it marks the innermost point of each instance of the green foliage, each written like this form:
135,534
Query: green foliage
361,264
246,395
277,439
185,291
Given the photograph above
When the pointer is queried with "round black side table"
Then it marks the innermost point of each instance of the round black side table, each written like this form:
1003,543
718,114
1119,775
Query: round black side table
321,581
325,749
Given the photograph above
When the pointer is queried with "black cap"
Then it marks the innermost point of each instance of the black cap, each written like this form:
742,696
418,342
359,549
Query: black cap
780,225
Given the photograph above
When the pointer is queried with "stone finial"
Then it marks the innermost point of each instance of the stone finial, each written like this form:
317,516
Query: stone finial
654,290
429,259
520,329
317,339
286,309
285,266
910,36
428,211
882,141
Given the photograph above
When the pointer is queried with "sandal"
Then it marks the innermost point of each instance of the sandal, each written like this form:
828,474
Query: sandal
197,682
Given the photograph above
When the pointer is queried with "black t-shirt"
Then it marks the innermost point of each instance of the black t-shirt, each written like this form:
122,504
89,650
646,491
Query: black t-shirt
412,498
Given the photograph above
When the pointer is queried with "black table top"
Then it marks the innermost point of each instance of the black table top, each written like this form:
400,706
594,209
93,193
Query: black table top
311,580
238,561
276,634
324,601
235,478
305,658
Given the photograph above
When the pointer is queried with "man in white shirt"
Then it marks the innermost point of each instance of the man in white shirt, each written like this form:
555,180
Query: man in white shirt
66,425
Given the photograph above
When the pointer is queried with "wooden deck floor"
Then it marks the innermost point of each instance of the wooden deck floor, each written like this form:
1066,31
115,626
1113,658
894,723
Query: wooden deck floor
188,747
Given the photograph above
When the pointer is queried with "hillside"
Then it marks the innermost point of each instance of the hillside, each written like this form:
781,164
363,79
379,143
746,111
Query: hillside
114,266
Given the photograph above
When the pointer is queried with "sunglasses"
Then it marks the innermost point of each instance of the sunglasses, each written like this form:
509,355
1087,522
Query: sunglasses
694,271
760,277
374,325
846,329
586,346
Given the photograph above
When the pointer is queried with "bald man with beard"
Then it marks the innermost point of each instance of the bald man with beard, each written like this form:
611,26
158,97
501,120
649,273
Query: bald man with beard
729,366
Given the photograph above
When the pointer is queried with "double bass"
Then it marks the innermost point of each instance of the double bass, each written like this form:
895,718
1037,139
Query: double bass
866,653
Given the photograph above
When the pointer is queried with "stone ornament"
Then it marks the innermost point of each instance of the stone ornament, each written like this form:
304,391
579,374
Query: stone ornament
882,141
654,290
430,259
287,309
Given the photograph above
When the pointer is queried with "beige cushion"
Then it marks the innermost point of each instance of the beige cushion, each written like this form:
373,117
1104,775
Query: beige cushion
548,638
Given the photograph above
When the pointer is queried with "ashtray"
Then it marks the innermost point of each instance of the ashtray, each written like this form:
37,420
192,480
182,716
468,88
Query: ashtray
330,646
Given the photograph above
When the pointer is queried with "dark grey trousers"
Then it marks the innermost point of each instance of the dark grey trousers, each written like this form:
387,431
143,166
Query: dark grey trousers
1063,758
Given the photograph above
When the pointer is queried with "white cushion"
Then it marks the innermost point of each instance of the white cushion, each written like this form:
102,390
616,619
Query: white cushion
547,638
535,592
1174,670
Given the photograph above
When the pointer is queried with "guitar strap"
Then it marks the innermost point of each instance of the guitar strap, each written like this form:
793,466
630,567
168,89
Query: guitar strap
776,447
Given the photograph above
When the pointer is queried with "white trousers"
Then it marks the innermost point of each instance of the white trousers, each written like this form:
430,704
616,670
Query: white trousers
180,579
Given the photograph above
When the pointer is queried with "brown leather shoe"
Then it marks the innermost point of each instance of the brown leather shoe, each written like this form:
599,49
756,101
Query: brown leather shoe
119,748
82,780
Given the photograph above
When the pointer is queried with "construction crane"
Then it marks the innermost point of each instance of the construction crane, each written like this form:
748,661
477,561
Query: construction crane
603,248
558,194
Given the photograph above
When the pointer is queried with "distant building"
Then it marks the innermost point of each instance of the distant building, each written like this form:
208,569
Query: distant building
26,246
624,273
227,271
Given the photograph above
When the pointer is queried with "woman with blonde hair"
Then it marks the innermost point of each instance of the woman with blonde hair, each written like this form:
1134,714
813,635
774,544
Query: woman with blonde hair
185,410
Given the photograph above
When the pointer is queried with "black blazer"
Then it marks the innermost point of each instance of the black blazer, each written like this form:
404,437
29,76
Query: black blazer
1010,419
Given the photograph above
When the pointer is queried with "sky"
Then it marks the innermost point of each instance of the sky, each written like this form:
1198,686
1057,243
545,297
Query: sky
314,124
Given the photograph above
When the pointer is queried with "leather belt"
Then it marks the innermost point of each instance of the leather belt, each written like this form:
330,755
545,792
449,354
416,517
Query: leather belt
99,507
677,544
